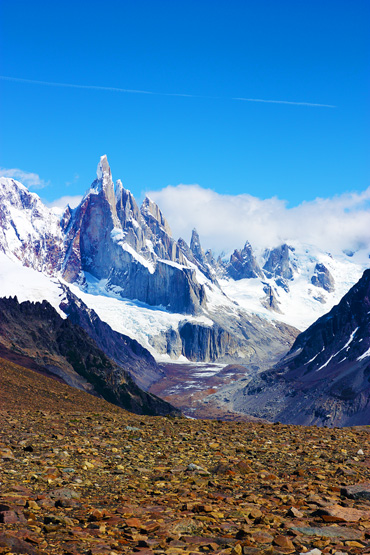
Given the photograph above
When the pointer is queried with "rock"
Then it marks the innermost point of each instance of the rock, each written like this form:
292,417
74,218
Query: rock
16,545
262,537
284,542
278,263
186,526
337,513
243,264
11,517
6,454
64,493
295,512
354,544
358,491
323,278
329,532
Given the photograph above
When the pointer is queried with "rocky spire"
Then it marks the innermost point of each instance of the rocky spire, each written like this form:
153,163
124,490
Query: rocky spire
127,209
196,247
104,184
243,264
278,263
149,210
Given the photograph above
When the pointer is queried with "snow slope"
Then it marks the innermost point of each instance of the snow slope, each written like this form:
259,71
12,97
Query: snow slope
28,284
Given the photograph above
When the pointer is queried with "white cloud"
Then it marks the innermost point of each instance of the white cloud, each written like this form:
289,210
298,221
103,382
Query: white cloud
72,200
225,222
30,180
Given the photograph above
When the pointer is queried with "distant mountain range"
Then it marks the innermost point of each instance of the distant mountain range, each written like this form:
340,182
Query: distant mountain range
114,269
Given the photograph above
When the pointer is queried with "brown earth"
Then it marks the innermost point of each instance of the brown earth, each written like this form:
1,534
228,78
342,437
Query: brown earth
79,476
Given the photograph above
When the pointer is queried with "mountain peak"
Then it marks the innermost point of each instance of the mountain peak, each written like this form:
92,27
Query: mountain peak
119,187
103,168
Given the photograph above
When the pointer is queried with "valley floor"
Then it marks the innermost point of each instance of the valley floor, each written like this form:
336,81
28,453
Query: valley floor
188,385
82,477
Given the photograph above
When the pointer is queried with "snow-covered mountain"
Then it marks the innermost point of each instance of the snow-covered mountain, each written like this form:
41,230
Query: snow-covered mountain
325,378
295,284
175,299
29,231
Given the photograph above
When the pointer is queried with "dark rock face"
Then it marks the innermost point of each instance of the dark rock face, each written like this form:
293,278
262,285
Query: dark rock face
201,342
128,353
278,263
325,378
243,264
251,342
37,331
168,286
323,278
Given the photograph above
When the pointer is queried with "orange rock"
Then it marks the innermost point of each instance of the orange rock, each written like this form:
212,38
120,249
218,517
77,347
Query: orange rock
134,522
284,542
337,513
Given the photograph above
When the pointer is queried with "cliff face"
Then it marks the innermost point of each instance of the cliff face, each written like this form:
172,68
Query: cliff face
208,343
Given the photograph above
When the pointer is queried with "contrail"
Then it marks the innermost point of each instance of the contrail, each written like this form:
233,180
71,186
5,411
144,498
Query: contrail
285,102
135,91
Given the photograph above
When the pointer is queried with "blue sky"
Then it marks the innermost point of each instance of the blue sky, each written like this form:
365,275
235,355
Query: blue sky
216,51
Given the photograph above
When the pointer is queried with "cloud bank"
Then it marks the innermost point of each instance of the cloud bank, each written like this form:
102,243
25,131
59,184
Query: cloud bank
30,180
72,200
225,222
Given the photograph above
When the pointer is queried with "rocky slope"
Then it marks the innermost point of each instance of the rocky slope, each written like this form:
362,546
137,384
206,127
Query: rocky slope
82,477
127,352
61,348
325,378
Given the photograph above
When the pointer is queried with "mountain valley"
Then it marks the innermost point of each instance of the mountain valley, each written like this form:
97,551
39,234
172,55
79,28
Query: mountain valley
186,325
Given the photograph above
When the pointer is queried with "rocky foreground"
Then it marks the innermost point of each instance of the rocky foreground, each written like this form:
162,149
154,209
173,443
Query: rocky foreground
80,476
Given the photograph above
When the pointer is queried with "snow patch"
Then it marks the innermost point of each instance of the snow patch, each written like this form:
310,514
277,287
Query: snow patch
364,355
